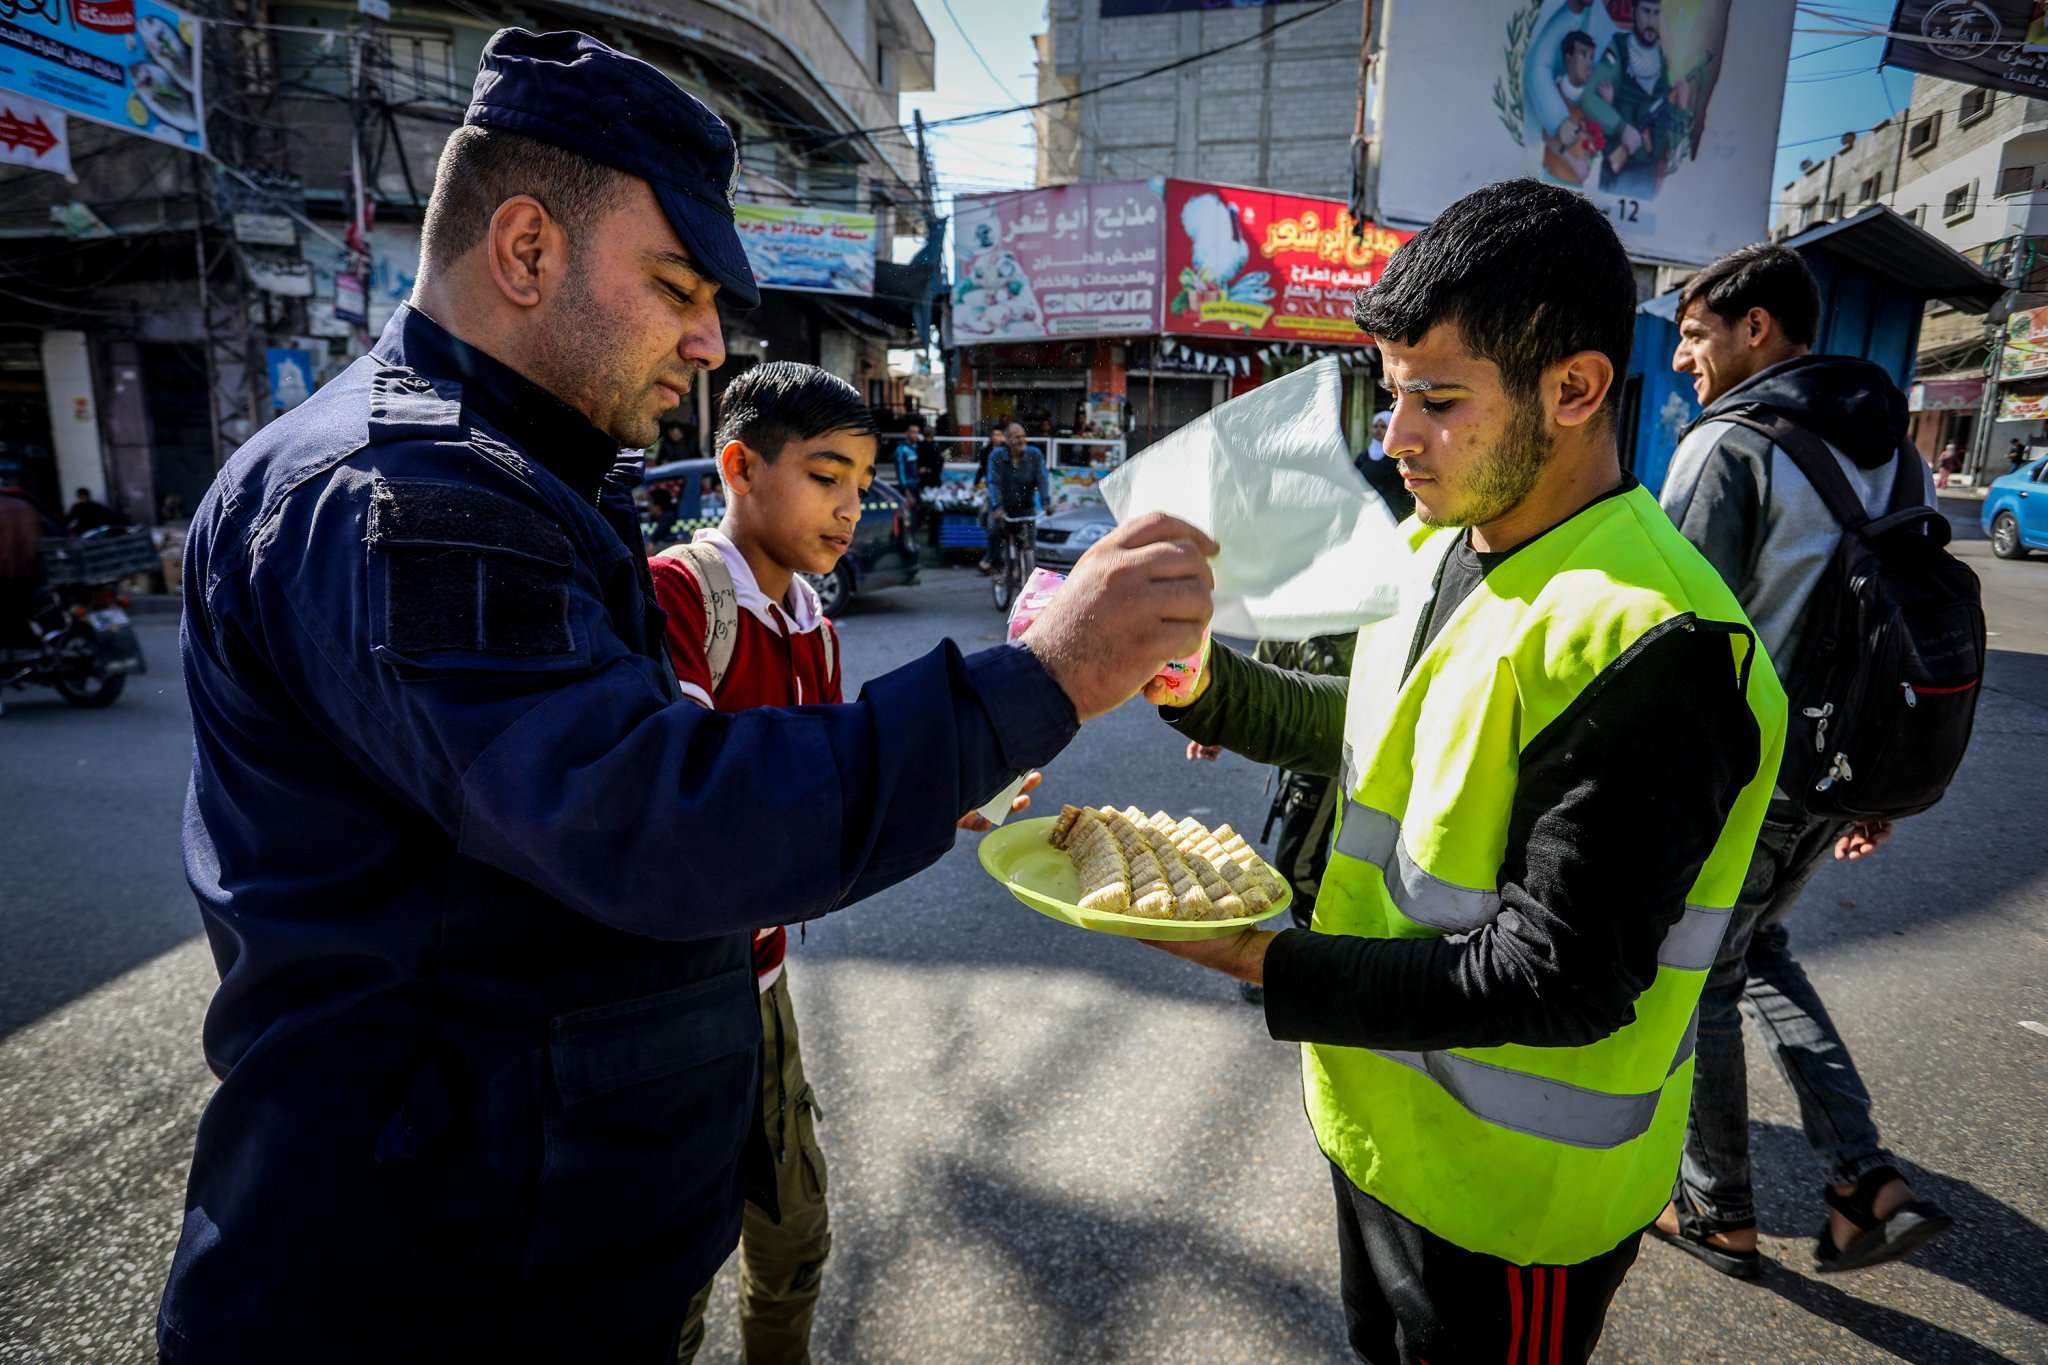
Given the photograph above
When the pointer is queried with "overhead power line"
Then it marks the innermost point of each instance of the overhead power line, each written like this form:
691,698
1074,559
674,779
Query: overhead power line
971,47
1264,35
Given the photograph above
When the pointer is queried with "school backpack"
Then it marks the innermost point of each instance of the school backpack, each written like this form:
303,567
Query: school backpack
722,609
1884,681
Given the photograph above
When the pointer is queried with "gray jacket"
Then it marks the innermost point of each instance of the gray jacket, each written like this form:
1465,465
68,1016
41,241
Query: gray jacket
1749,509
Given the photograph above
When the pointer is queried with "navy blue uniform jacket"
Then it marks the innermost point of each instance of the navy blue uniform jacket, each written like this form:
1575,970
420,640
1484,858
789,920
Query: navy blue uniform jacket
481,888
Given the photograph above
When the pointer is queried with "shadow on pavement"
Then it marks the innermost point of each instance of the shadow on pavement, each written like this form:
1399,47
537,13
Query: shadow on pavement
2018,674
1993,1250
1897,1333
1085,1268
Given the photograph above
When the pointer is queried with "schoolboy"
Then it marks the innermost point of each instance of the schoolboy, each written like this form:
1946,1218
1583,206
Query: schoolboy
796,449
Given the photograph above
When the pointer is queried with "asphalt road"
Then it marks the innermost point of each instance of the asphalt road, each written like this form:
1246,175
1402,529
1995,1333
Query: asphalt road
1048,1145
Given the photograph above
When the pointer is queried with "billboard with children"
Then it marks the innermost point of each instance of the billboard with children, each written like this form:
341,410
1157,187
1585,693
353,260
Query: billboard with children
1253,263
1663,112
1077,261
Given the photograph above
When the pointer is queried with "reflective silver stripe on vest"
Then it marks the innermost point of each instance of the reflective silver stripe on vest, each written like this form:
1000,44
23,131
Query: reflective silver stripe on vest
1375,837
1692,944
1371,836
1539,1106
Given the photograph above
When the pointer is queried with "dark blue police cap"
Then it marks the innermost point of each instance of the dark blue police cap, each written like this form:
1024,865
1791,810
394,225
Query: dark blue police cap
571,91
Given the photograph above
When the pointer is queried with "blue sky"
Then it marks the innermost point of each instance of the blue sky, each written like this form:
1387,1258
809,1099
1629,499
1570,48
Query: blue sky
1834,83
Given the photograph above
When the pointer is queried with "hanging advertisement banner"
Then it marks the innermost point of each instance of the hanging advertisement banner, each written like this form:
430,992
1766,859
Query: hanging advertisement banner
348,298
277,272
2022,407
265,229
292,376
1997,44
1133,9
2025,353
394,265
130,64
1078,261
1662,112
1945,395
818,251
35,135
1251,263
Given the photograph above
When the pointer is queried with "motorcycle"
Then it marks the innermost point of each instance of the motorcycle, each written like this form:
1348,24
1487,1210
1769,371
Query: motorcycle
79,639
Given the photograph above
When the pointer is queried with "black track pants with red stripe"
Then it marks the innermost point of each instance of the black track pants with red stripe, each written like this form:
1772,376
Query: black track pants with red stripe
1412,1297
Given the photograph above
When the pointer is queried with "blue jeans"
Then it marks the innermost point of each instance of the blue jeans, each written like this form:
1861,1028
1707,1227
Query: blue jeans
1756,968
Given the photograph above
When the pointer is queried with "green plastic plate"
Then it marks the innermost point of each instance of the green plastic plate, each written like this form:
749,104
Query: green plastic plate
1038,874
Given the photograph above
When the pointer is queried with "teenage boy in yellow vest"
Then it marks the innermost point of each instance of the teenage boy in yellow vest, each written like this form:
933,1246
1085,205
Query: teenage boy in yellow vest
1555,758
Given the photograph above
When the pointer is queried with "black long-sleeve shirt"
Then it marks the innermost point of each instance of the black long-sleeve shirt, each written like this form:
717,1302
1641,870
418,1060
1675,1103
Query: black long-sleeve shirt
1617,806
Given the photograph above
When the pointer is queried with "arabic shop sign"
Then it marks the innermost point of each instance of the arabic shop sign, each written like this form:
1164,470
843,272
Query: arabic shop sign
820,251
131,64
2026,345
1252,263
1077,261
1997,44
35,135
2022,407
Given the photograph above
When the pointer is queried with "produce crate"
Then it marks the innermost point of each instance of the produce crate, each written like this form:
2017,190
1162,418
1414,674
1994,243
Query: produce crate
100,559
962,531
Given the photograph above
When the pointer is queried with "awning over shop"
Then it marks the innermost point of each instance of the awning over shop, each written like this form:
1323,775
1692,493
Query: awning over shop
1945,395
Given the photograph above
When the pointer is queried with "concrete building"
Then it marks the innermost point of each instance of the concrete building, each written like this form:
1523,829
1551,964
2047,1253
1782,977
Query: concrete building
1277,114
134,359
1970,167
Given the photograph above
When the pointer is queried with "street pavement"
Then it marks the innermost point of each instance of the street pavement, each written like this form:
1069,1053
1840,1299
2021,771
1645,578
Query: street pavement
1047,1145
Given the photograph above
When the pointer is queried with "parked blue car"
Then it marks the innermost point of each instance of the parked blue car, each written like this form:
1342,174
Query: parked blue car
2016,511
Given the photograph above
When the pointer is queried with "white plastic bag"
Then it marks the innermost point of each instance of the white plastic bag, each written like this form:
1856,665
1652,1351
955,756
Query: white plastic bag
1307,548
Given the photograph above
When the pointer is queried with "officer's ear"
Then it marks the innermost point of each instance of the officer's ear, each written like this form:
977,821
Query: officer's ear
526,249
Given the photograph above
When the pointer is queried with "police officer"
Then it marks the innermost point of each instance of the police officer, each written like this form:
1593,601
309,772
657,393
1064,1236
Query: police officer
479,887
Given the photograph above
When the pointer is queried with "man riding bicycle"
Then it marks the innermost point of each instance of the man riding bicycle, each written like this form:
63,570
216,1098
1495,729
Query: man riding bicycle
1016,476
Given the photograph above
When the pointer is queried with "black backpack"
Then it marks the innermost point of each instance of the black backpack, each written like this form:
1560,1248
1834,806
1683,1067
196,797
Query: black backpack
1883,685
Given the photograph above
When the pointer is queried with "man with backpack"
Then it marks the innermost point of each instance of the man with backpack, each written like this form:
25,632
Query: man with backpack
1798,485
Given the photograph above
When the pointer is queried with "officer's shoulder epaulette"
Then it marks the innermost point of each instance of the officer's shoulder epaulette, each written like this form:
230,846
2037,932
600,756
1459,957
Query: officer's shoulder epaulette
405,403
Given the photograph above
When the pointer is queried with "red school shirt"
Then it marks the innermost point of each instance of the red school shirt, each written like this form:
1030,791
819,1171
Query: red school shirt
779,658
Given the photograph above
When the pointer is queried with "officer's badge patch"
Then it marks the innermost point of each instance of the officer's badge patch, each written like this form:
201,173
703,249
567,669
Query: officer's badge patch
468,570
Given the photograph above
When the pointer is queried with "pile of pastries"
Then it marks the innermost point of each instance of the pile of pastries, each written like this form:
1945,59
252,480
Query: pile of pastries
1153,867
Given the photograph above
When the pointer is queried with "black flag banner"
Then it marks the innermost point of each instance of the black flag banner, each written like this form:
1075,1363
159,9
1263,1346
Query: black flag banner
1998,44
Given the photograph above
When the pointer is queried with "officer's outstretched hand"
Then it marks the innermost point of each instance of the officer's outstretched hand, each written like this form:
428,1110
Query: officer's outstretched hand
1139,597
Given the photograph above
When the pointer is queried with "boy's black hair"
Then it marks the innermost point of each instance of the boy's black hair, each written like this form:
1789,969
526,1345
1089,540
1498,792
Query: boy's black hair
782,401
1528,273
1574,38
1767,276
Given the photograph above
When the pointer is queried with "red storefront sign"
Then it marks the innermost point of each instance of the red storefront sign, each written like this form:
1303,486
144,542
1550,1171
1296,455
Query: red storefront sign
1251,263
105,16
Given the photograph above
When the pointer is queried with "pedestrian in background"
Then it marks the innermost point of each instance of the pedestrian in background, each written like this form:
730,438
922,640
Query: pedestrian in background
1382,474
21,568
1950,464
88,513
1746,327
676,442
2015,455
905,456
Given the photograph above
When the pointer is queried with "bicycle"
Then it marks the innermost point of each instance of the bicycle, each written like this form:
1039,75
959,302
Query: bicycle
1015,552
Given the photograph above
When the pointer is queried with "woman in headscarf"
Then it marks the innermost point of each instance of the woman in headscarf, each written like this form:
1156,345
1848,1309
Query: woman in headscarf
1380,472
1378,449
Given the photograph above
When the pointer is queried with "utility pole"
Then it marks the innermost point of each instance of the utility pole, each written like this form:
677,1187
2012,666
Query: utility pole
1361,152
206,344
360,211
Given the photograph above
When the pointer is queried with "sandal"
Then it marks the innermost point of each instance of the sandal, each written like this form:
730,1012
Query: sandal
1877,1240
1695,1227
